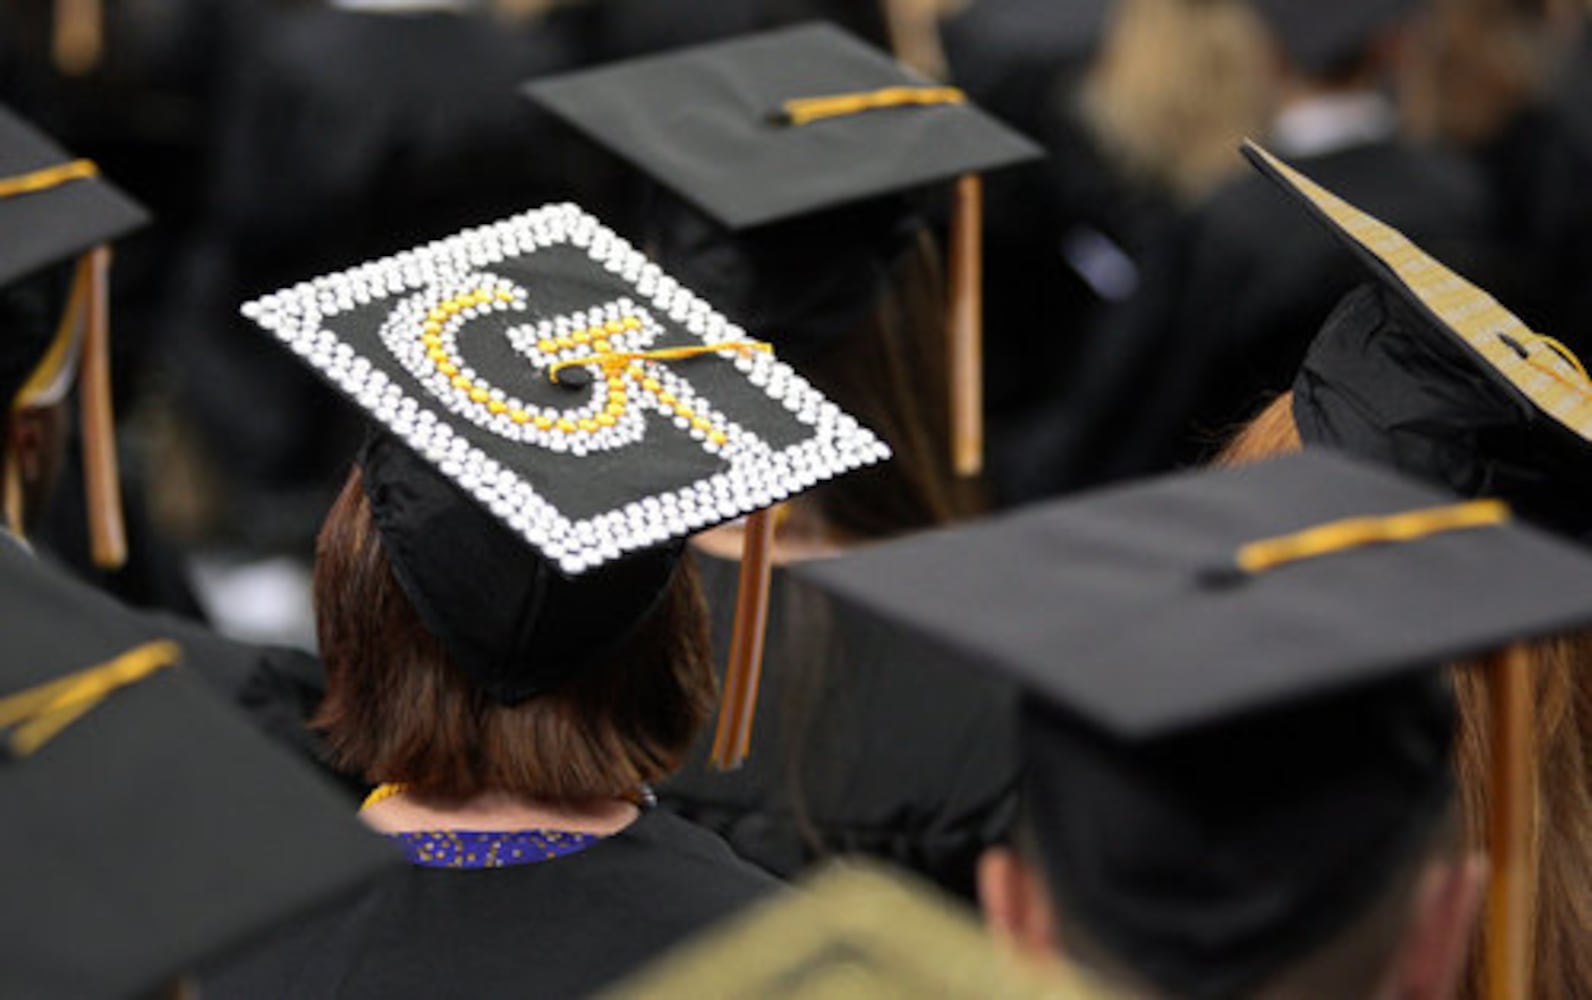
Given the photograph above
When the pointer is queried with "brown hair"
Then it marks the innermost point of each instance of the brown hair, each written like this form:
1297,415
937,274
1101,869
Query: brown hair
891,374
1176,87
1562,695
397,710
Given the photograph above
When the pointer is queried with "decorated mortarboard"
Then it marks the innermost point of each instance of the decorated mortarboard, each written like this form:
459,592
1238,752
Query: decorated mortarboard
853,931
55,209
593,409
788,125
1277,616
147,825
1426,372
1326,38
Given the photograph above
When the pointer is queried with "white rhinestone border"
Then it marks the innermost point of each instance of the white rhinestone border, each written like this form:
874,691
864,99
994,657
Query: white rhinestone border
757,477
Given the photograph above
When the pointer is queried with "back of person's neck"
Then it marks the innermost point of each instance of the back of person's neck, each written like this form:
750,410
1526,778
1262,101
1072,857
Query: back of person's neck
404,812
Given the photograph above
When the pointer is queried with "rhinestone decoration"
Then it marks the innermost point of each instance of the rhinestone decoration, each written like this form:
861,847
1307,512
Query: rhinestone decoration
438,289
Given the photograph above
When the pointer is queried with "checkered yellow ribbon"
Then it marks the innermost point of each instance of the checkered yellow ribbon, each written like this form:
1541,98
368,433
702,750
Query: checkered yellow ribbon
1540,367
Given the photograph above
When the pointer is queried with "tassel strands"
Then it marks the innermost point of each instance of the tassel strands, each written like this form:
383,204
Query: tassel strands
732,740
966,334
101,475
1511,828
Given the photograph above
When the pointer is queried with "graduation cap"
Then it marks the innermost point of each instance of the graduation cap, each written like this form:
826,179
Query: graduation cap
594,410
55,209
1230,678
854,931
1426,372
147,826
795,146
1325,38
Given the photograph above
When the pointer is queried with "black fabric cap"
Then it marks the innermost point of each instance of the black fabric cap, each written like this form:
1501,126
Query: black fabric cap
1325,38
701,121
1383,382
55,225
158,829
452,347
1224,767
1428,373
664,419
1112,603
508,619
803,284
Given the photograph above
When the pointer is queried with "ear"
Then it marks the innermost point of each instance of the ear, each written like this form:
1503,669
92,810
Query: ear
1442,928
1016,903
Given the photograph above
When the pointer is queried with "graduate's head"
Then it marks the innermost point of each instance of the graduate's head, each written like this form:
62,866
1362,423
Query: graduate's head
794,175
1350,44
56,217
1277,857
552,417
1239,724
458,661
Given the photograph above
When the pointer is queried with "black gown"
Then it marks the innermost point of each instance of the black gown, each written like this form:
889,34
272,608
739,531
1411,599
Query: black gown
1229,306
559,928
864,743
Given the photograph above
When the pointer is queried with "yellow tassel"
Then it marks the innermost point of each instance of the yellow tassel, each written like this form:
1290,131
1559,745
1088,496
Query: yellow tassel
38,714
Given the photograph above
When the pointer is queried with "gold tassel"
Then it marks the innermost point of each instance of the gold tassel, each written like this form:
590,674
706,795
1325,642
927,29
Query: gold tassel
101,476
13,495
732,741
79,38
1511,827
967,328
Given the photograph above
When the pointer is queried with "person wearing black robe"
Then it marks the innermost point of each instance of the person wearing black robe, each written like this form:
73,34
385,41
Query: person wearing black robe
514,635
1229,304
861,746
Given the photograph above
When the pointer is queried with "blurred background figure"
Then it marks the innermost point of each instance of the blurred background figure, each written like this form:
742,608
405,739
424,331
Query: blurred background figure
1231,296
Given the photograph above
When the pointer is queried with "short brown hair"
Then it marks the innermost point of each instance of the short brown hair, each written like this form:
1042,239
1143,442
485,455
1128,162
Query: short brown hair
398,710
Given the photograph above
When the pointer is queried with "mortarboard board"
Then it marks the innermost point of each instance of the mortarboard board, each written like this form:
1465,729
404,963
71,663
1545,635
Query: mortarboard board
54,209
147,826
1168,624
791,124
854,930
1425,372
594,410
1325,38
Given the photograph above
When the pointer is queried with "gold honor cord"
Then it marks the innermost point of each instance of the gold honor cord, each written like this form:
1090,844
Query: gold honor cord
1552,378
1268,554
47,178
37,715
608,360
801,111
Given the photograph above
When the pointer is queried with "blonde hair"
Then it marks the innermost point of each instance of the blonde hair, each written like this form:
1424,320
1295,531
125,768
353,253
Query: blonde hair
1562,693
1177,85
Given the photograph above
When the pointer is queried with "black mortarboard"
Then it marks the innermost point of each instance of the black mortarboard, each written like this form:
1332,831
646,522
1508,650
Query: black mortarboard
854,931
55,209
1425,372
778,141
1234,656
1323,38
147,826
594,409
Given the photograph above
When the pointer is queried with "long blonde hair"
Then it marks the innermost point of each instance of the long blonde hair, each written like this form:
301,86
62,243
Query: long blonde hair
1561,681
1177,85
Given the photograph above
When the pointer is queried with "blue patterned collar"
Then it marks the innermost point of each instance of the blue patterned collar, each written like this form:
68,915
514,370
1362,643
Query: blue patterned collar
488,848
